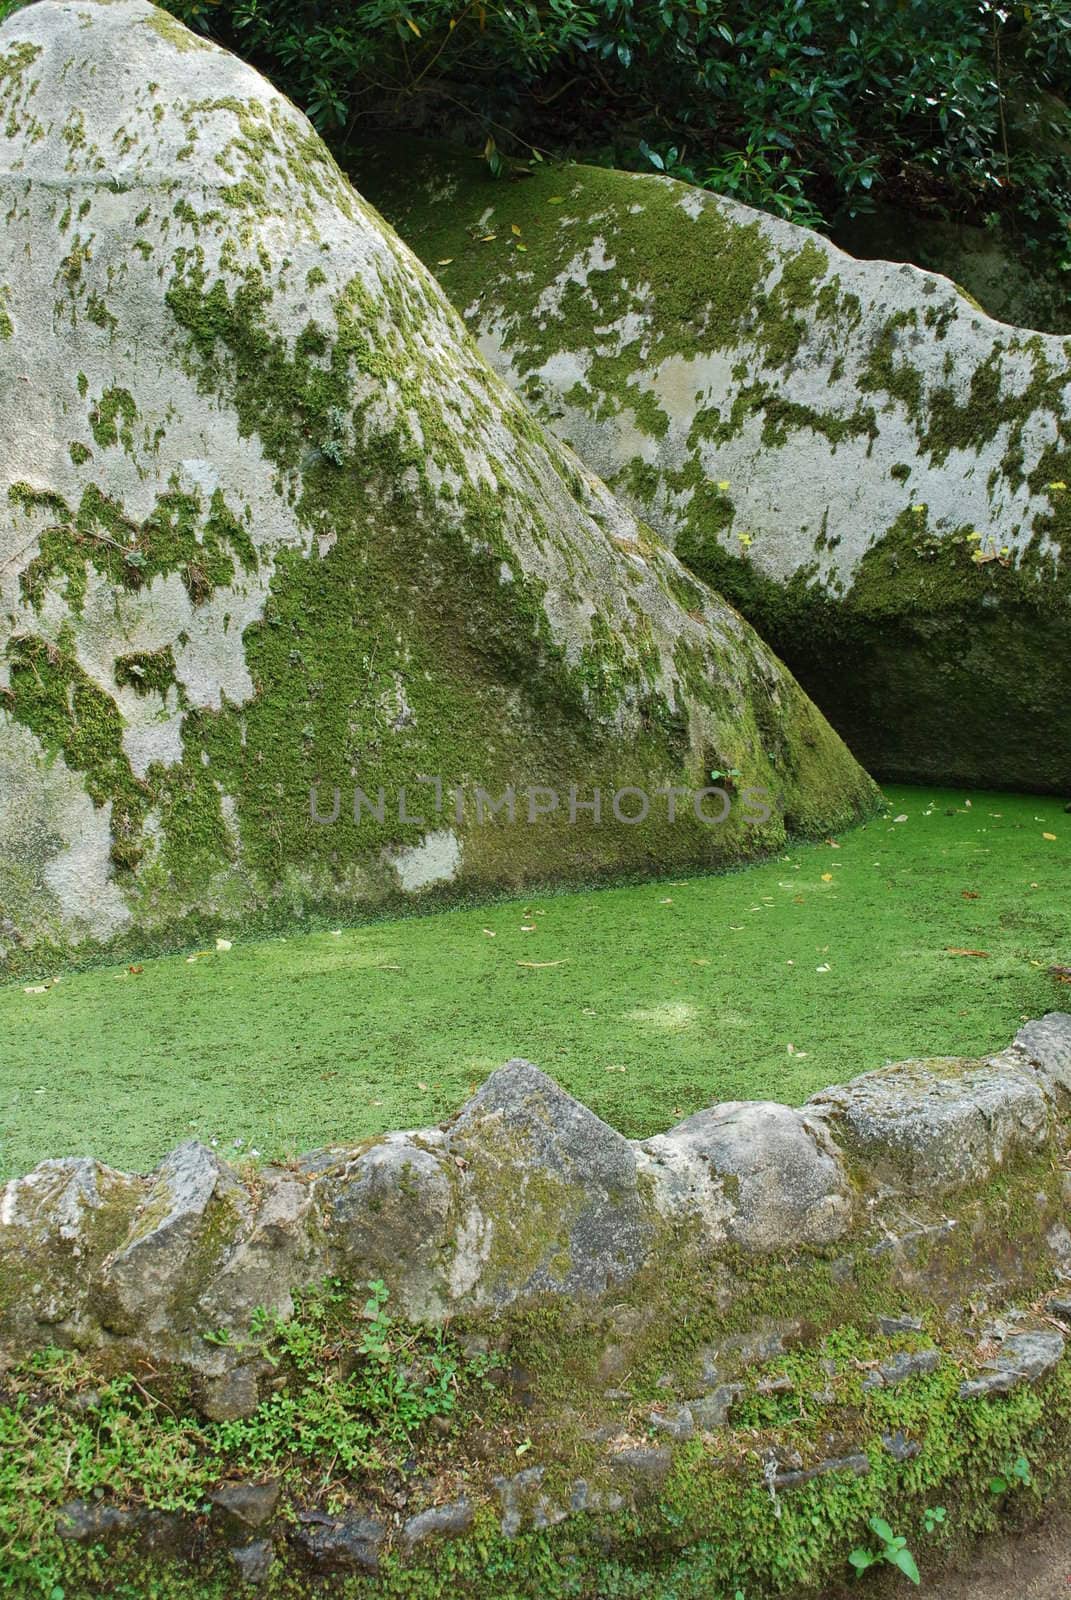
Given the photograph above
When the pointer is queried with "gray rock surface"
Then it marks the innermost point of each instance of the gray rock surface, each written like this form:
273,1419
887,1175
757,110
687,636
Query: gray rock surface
165,501
900,1447
279,1247
1023,1358
523,1504
397,1200
1046,1041
898,1368
179,1235
753,1174
246,1505
57,1224
99,1523
551,1196
231,1394
679,1422
857,1464
339,1544
712,1410
644,1467
936,1125
446,1521
254,1561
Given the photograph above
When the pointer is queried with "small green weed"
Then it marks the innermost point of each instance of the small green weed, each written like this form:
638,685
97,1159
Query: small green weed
1017,1476
893,1550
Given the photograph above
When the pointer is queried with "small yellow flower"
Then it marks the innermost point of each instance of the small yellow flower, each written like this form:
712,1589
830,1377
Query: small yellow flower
1059,484
723,485
974,535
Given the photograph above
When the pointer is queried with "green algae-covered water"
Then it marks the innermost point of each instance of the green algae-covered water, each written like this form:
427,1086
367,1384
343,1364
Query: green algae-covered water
647,1003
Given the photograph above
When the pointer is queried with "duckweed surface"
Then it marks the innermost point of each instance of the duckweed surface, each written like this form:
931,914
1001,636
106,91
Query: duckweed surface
646,1002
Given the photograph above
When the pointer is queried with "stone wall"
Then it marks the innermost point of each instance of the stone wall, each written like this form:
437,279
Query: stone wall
525,1194
729,1343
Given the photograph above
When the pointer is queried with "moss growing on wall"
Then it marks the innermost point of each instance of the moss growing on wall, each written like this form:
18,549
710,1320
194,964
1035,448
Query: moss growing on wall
801,1339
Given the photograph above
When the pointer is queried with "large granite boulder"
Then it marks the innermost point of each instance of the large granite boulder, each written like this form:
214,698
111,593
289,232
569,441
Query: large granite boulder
273,537
877,473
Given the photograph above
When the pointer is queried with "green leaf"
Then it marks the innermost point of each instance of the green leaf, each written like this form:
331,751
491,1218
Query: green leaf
882,1529
906,1563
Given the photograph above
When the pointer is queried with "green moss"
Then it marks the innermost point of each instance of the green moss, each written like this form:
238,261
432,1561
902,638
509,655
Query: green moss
112,418
714,1525
73,132
783,417
176,536
74,262
53,697
173,33
146,671
884,374
98,312
796,290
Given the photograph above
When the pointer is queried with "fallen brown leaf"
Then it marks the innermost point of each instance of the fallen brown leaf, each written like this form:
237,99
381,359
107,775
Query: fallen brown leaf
953,950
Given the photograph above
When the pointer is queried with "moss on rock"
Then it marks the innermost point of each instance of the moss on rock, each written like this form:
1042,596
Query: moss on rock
783,414
292,538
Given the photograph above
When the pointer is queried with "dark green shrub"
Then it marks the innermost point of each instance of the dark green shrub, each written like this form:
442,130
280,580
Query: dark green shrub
804,107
